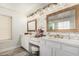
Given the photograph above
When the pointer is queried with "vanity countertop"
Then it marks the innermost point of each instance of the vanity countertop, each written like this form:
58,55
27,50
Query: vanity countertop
72,42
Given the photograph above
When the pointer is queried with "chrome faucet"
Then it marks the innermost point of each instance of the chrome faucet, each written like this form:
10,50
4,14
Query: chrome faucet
58,36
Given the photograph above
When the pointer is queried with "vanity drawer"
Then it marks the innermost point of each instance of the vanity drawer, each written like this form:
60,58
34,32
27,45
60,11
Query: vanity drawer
35,42
52,44
71,49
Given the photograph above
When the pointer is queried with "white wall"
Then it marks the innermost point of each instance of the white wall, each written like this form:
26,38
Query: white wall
18,27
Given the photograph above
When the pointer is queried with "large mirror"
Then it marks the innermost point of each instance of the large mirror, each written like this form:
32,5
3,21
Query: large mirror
64,20
32,25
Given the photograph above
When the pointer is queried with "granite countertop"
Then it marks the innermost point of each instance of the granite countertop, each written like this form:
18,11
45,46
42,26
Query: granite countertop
72,42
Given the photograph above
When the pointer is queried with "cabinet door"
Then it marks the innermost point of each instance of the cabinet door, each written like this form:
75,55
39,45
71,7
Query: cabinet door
44,50
63,53
27,43
23,41
70,49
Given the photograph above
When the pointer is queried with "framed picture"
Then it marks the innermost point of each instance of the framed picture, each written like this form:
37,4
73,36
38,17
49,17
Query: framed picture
32,26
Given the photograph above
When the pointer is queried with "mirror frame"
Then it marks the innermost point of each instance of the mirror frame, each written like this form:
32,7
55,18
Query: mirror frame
76,8
35,25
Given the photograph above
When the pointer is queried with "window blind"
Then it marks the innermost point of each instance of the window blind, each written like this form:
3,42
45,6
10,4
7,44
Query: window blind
5,27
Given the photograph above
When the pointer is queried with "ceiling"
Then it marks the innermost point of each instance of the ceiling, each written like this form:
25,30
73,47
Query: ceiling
23,8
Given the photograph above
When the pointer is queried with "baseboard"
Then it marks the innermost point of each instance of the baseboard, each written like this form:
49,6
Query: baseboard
9,49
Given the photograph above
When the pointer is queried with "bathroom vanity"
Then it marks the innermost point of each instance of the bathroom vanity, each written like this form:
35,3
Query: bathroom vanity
53,46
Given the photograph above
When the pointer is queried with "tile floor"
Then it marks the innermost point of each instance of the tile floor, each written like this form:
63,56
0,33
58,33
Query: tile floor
15,52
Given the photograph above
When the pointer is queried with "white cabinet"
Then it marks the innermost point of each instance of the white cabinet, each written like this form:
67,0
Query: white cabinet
44,50
60,52
25,42
26,39
53,44
52,48
70,48
67,50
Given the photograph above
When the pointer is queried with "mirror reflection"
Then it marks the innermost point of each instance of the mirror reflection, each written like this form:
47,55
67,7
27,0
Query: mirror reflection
65,20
